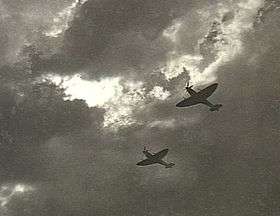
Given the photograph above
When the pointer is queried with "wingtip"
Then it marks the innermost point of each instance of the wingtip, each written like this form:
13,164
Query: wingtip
179,104
139,164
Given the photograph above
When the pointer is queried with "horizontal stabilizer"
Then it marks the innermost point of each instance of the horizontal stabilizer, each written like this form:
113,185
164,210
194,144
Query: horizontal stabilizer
216,107
170,165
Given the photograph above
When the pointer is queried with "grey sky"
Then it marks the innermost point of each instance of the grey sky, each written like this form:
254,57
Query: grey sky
56,156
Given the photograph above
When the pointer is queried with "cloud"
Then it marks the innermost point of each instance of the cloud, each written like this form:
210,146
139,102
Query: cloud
7,193
159,93
117,97
120,98
175,65
95,93
58,145
31,115
163,124
171,31
267,7
221,44
24,23
125,37
64,17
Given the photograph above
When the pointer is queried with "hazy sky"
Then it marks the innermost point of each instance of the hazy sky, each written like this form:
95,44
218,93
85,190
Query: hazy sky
85,85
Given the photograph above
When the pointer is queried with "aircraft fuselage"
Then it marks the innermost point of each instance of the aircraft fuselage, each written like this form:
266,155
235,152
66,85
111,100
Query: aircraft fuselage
148,154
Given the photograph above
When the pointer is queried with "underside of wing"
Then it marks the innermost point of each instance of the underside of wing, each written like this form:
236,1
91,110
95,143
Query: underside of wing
163,163
161,154
206,102
207,92
145,162
187,102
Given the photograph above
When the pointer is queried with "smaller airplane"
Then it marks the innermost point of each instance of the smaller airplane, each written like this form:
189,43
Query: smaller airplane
199,97
155,158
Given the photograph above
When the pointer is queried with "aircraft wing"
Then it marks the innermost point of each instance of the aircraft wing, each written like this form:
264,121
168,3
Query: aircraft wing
208,103
163,163
207,92
161,154
187,102
145,162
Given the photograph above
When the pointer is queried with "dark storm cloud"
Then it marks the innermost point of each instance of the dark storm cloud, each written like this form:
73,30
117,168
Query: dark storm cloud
22,20
105,38
268,7
40,6
28,121
22,24
123,36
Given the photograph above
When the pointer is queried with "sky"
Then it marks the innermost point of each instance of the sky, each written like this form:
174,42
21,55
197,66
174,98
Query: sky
85,85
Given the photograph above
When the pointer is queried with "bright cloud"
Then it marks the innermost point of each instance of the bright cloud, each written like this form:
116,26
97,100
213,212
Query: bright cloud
95,93
61,21
171,32
223,43
174,66
159,93
169,123
118,97
120,110
7,192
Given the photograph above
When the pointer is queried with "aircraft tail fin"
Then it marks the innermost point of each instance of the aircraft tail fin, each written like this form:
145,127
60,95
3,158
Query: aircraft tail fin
216,107
170,165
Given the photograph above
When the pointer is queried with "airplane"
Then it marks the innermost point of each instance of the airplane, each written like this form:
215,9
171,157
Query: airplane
155,158
199,97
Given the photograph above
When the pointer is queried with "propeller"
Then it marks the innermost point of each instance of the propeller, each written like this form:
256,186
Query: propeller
145,149
148,150
188,85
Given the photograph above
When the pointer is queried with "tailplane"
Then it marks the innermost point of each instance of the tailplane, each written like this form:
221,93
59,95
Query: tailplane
216,107
170,165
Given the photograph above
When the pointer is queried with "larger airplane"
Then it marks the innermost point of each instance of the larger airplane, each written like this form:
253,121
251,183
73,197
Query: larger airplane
155,158
200,97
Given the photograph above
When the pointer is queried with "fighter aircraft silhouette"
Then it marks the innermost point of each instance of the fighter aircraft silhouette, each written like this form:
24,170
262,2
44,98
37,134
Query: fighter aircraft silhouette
199,97
155,158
